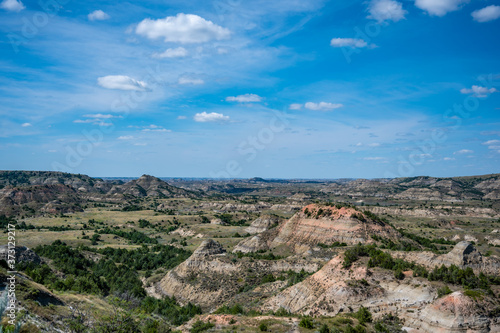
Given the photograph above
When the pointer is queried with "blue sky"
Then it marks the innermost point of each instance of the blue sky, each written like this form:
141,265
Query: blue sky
232,88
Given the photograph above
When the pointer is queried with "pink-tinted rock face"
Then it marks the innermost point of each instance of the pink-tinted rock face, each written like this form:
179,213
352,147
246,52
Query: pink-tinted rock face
328,224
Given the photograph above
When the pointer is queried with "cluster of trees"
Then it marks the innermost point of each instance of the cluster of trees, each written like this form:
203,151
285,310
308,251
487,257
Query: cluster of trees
228,219
145,258
169,309
453,274
116,274
5,221
426,242
134,236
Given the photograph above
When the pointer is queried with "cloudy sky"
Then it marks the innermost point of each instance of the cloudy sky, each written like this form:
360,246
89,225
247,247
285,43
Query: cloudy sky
233,88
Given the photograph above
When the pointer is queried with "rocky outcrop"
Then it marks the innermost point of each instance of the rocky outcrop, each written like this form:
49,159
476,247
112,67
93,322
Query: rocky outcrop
262,224
328,224
455,313
23,254
333,290
209,278
463,255
251,244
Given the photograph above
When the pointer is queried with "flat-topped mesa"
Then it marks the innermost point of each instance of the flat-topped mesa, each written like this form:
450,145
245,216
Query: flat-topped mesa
208,247
327,224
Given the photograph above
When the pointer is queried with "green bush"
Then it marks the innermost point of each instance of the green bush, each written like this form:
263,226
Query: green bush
306,322
363,315
263,327
444,291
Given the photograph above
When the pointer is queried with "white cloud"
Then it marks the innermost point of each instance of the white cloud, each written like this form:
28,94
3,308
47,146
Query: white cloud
96,119
491,142
486,14
26,125
209,117
322,106
439,7
375,144
246,98
350,42
190,80
449,159
126,137
12,5
182,28
374,158
385,10
98,15
181,117
295,106
178,52
464,151
478,91
93,122
156,130
101,116
121,82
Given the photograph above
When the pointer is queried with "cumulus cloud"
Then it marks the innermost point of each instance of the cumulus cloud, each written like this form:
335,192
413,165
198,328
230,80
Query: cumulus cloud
205,117
12,5
98,15
121,82
246,98
486,14
181,117
464,151
322,106
478,91
190,80
178,52
182,28
350,42
26,125
386,10
440,7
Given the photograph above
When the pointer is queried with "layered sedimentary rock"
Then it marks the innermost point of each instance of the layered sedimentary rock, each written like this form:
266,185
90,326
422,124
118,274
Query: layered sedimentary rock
316,224
463,255
262,224
209,278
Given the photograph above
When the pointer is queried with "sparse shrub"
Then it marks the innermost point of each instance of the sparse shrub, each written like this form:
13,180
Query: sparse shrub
263,327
